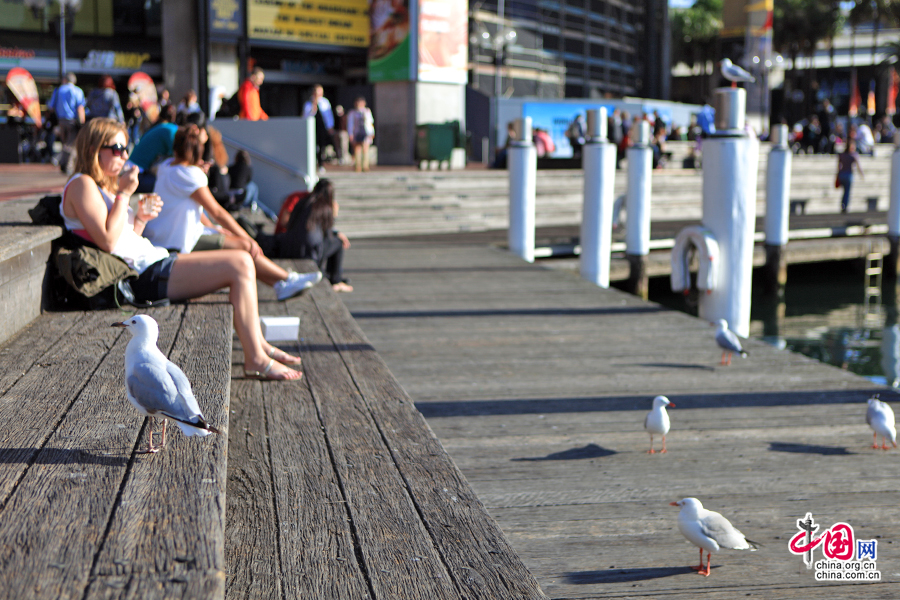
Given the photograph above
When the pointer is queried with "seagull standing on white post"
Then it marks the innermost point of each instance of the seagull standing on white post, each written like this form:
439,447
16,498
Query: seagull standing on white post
657,421
734,73
880,417
709,530
156,386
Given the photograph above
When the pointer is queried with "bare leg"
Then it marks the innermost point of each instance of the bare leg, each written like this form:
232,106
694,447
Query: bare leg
722,362
165,422
357,157
875,440
365,154
729,360
151,449
663,451
200,273
884,445
651,450
266,270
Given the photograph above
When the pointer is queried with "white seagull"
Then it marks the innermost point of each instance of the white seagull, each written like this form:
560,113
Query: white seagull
156,386
734,73
709,530
880,418
728,341
657,421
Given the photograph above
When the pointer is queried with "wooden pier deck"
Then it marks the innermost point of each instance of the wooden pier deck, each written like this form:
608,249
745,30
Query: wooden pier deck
537,383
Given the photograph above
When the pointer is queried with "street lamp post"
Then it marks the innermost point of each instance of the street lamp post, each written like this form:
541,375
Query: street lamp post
65,7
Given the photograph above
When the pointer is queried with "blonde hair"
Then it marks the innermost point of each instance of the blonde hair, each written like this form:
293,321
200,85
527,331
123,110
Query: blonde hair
97,133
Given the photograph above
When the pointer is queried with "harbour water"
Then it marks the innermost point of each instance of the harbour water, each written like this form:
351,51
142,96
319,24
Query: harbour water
825,315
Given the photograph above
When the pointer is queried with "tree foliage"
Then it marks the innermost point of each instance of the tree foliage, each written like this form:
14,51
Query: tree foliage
800,24
695,32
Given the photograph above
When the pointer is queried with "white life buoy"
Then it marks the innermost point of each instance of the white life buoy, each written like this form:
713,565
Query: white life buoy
708,253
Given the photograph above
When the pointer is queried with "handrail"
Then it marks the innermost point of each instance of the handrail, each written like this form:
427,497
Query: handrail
256,154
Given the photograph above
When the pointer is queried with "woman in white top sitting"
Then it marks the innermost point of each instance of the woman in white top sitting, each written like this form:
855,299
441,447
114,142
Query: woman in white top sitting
183,225
95,206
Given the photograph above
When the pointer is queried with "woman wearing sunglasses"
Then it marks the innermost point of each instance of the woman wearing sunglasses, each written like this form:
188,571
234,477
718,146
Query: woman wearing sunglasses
95,207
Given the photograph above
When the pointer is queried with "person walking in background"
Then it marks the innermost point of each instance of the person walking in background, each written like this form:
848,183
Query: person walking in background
361,125
67,103
248,96
319,107
846,161
189,103
103,101
576,132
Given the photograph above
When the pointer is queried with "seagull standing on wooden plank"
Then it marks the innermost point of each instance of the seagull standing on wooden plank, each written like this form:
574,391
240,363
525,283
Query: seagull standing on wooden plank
156,386
728,341
657,421
880,417
709,530
734,73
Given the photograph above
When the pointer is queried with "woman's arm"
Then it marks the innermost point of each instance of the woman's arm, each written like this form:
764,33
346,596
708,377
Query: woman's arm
204,198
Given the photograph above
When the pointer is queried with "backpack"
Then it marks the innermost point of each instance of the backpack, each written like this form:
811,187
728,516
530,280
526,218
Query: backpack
230,107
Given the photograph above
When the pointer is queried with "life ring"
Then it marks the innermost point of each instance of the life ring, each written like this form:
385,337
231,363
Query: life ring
708,253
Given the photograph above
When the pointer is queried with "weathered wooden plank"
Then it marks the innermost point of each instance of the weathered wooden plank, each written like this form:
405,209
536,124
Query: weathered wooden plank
479,558
251,527
170,518
55,519
398,554
18,354
194,584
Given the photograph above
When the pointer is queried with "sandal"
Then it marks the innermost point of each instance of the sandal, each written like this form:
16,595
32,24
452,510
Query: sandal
289,359
264,374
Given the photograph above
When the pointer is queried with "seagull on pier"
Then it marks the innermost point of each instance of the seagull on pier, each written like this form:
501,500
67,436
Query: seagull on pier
880,417
728,341
709,531
657,421
156,386
734,73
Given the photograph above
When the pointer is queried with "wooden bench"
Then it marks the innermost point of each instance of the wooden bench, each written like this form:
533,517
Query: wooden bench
339,489
81,513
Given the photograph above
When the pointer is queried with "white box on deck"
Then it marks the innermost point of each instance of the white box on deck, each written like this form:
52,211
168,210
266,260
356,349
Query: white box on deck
280,328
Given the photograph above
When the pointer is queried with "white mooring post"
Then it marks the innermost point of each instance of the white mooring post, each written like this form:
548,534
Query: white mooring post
730,163
522,164
778,189
598,161
892,262
637,202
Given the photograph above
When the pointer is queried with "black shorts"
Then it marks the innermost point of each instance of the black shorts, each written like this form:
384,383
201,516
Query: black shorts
153,283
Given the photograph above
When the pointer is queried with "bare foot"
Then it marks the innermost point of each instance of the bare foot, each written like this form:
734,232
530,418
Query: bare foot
340,286
282,356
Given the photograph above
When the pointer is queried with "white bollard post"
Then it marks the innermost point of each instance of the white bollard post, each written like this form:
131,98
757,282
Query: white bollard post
522,160
598,161
730,163
778,190
637,202
892,264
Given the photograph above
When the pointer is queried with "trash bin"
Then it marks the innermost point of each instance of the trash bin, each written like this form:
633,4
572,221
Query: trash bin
9,145
436,141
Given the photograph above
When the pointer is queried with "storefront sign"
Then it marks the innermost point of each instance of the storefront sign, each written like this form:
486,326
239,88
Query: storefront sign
15,53
226,19
106,59
443,41
328,22
389,50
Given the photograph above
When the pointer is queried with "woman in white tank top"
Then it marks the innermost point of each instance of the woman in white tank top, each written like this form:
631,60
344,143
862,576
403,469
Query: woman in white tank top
95,206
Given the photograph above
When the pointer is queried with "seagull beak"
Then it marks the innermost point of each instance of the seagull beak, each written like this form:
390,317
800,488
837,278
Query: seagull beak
671,405
673,504
122,325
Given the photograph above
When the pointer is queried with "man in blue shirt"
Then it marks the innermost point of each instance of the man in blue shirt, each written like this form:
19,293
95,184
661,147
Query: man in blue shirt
319,107
68,104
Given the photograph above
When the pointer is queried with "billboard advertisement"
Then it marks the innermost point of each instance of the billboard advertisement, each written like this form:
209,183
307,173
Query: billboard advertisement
324,22
226,19
555,118
443,41
390,41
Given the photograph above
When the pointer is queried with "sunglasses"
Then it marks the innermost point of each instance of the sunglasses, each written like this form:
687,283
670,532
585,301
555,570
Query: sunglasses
116,149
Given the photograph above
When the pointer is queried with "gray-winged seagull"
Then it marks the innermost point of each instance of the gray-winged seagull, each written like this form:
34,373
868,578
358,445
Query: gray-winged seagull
880,417
728,341
709,530
657,421
156,386
734,73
